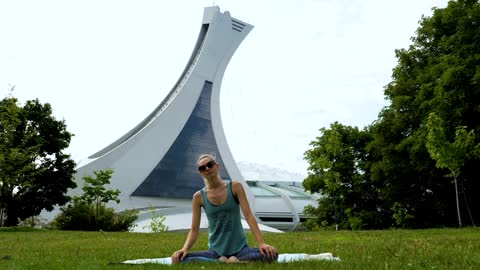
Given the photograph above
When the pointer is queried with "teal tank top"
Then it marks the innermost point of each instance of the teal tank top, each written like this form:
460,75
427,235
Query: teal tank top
226,236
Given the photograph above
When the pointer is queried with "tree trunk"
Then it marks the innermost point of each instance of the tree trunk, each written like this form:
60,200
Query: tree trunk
96,215
2,204
11,212
458,203
1,216
466,204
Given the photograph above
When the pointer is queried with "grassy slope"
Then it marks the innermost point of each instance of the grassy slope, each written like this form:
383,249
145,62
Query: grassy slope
391,249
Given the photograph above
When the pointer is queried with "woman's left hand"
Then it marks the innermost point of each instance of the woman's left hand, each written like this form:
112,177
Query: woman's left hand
268,251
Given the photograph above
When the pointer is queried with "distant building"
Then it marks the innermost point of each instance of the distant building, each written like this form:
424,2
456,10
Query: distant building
155,163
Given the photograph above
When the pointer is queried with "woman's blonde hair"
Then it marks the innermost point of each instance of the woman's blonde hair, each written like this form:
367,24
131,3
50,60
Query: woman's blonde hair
210,156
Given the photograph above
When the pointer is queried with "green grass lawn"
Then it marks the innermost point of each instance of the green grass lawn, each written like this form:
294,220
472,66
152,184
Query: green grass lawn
389,249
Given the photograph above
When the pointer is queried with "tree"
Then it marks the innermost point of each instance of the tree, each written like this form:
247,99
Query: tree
90,212
437,73
95,191
339,171
450,155
34,172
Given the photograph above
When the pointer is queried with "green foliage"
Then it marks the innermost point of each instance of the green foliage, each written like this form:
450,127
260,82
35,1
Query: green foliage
355,223
339,165
81,215
94,190
401,215
401,179
77,215
89,211
21,229
124,221
450,155
35,173
157,224
437,73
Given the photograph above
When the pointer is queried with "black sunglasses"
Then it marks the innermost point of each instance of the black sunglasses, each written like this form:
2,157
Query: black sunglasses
209,165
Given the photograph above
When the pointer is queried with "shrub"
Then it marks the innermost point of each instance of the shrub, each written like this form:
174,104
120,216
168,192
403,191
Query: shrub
89,211
80,215
158,222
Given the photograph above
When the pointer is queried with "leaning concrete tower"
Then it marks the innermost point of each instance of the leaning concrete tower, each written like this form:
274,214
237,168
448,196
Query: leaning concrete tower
154,163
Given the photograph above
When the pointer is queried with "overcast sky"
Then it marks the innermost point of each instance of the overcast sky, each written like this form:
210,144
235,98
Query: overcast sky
105,65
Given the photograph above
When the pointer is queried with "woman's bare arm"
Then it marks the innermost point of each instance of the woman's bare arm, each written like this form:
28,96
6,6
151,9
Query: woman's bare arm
264,248
194,229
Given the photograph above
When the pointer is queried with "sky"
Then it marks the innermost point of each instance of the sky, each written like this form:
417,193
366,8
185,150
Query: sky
104,65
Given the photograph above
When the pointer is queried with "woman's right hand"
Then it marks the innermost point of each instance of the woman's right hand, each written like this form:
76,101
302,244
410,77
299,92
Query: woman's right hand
179,255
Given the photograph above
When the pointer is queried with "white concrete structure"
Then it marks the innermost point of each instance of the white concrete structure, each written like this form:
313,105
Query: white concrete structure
155,163
280,204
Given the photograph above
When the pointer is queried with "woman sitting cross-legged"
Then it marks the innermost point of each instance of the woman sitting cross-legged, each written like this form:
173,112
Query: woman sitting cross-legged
222,201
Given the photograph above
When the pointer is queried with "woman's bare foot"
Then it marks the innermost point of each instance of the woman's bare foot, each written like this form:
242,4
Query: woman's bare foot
223,259
233,259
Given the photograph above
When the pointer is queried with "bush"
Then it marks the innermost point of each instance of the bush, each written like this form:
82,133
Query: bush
124,221
21,229
80,215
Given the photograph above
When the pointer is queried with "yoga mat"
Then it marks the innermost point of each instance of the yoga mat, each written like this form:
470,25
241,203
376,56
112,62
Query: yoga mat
282,258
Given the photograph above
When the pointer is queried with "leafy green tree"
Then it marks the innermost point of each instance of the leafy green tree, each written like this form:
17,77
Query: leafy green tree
35,174
90,212
95,191
450,155
437,73
339,171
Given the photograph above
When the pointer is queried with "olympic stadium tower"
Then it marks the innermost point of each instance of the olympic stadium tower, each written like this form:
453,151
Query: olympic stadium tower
155,163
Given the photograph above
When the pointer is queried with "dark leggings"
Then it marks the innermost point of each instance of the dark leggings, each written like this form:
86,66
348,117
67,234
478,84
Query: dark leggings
245,254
